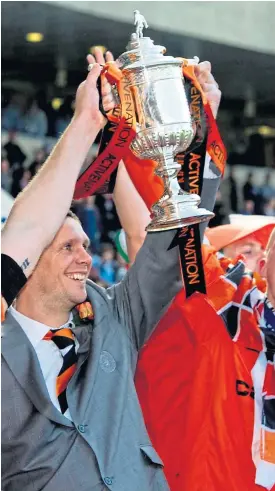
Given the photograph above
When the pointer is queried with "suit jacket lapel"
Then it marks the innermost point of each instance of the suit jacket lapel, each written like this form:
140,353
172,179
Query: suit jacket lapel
90,338
23,362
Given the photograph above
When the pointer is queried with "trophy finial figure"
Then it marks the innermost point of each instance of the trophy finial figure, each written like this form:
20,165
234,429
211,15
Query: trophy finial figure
140,23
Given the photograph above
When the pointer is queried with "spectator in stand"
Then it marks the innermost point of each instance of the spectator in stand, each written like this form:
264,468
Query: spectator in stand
109,218
64,116
269,208
220,214
15,155
13,113
39,159
35,121
233,192
248,189
25,179
6,177
121,267
249,207
89,216
106,265
259,201
268,191
21,177
16,178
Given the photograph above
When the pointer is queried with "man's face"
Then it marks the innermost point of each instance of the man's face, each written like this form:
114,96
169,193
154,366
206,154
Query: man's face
250,248
63,268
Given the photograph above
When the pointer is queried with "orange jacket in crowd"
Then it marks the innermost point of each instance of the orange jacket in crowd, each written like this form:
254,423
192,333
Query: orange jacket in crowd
195,384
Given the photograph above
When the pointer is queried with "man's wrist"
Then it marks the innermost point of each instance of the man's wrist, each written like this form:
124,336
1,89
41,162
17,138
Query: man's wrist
88,123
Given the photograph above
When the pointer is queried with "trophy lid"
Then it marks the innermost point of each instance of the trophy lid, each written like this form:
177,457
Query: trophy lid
141,51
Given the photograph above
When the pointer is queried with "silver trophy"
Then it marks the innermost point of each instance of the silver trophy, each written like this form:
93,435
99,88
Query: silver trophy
165,125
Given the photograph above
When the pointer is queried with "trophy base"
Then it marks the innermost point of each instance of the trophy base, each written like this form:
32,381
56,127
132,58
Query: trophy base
188,217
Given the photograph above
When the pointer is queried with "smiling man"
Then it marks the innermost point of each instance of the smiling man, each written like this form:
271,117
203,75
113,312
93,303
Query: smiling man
59,280
70,413
29,229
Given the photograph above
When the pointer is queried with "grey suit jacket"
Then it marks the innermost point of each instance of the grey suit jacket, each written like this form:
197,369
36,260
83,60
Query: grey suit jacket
106,446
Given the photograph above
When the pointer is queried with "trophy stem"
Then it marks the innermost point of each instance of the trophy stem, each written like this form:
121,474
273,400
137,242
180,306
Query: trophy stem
176,208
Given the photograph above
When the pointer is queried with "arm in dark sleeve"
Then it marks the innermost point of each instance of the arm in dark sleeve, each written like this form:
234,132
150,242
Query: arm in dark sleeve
13,279
143,296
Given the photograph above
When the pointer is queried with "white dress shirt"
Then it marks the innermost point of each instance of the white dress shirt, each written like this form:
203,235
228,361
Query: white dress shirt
48,354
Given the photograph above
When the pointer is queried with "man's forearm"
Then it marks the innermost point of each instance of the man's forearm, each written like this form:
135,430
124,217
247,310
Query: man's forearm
39,210
133,213
143,295
154,279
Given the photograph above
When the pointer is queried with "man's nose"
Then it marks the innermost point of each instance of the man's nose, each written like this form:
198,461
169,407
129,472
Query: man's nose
84,257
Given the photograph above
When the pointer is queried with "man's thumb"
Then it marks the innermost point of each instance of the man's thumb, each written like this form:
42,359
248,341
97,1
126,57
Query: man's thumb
94,74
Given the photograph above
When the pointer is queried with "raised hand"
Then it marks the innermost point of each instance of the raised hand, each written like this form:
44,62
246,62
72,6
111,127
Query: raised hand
87,99
108,100
209,85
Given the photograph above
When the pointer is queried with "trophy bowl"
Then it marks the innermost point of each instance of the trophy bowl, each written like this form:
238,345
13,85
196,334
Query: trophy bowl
164,126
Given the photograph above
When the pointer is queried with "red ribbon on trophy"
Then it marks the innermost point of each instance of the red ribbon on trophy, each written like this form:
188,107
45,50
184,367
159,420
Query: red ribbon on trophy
122,128
190,178
115,145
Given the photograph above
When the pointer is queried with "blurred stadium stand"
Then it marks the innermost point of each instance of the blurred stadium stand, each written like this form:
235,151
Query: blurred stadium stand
237,37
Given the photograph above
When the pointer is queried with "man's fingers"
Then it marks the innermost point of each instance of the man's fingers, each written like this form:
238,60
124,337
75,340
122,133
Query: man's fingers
109,56
213,95
90,59
93,74
108,107
203,71
207,78
105,88
203,66
105,85
108,99
99,56
214,98
210,88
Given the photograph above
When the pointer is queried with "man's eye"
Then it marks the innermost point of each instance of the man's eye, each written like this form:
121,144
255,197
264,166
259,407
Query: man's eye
68,247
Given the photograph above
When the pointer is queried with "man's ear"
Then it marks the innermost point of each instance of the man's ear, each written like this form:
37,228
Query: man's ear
262,267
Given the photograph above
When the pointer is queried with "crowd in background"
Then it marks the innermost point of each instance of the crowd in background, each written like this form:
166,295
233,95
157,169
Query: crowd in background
251,198
98,215
35,115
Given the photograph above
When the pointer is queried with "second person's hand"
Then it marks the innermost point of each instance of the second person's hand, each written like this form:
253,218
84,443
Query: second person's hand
209,85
